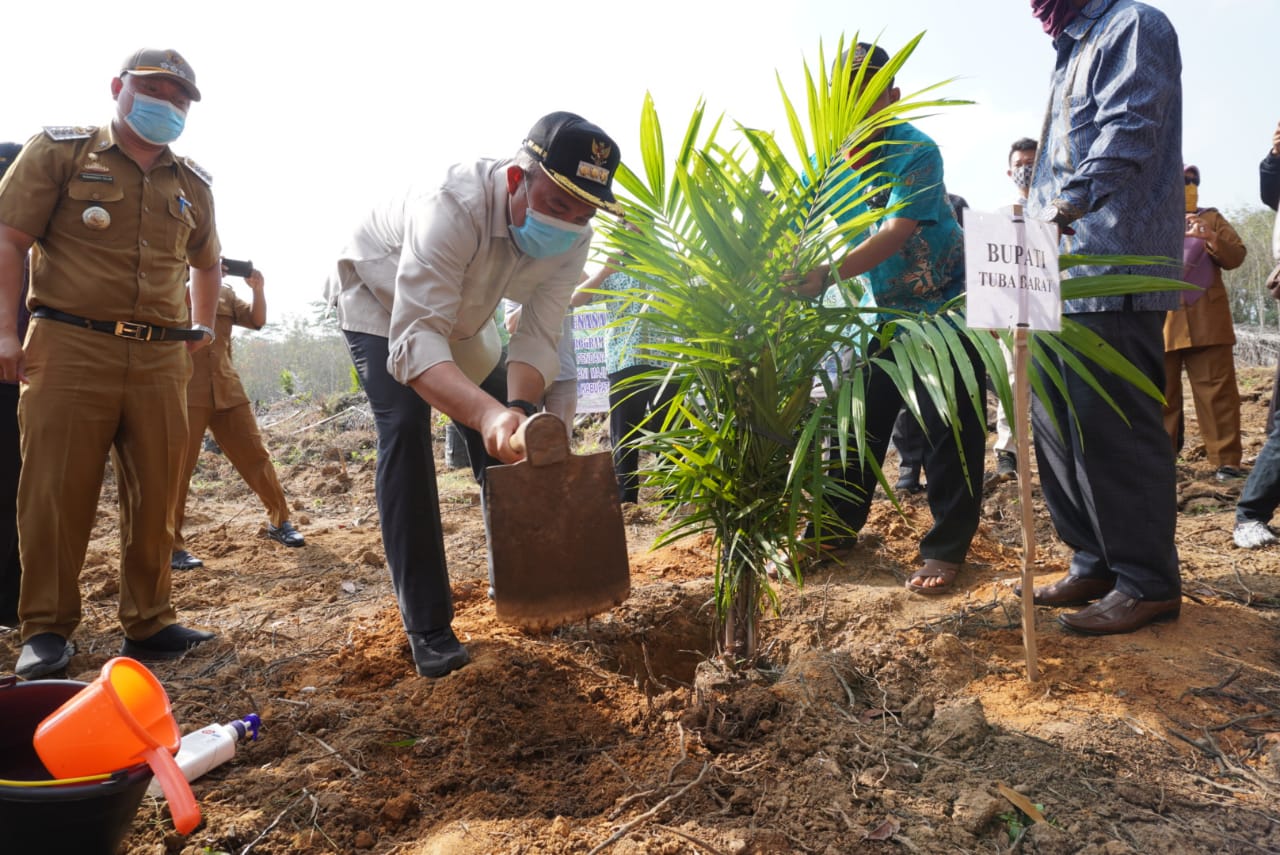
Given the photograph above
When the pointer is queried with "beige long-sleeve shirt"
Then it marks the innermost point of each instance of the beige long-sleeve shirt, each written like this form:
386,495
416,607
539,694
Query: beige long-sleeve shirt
428,269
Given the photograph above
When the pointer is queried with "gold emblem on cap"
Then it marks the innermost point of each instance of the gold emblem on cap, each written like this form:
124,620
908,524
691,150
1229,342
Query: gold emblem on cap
591,172
600,152
96,218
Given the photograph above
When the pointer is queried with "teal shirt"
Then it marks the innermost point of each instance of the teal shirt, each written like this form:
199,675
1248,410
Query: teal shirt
929,270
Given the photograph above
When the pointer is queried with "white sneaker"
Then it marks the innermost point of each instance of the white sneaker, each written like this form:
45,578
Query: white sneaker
1253,534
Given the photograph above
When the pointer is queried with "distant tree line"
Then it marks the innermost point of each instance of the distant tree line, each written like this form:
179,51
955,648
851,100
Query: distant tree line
1251,303
302,356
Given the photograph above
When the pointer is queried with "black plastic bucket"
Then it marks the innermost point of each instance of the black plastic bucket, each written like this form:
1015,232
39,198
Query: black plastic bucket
84,819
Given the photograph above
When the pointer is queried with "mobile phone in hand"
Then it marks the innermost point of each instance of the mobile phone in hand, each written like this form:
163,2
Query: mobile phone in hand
237,268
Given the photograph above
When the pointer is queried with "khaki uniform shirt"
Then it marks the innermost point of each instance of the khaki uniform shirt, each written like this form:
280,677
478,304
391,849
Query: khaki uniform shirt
1207,321
214,382
430,268
112,244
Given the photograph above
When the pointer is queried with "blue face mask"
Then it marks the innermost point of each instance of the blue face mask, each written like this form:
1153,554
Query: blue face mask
543,236
155,120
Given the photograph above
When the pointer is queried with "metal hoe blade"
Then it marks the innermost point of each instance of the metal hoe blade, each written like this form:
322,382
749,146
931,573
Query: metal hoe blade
557,543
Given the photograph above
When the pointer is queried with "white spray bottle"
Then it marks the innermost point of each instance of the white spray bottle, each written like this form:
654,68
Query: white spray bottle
202,750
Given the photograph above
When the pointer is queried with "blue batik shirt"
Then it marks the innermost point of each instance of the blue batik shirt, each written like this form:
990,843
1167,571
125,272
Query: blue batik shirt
929,269
1110,156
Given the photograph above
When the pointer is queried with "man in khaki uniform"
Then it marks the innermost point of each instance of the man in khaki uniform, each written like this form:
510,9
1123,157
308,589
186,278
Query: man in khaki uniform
216,400
114,221
1200,337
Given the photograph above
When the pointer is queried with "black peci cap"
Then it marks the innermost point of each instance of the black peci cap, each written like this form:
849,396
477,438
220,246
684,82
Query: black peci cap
578,156
873,56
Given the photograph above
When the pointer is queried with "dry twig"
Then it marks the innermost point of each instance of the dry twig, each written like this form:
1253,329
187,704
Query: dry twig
701,844
333,752
651,812
252,843
351,409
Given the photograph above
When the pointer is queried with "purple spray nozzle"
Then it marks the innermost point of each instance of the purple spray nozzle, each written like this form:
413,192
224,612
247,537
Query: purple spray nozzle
248,726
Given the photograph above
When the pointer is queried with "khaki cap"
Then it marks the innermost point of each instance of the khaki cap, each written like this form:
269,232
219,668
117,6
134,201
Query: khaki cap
165,63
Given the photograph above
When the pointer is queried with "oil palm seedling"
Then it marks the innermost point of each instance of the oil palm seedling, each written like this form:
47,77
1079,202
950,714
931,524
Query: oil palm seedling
719,233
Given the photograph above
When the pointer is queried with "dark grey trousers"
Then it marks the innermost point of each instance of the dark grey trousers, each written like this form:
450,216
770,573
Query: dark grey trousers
408,502
954,487
908,438
1111,487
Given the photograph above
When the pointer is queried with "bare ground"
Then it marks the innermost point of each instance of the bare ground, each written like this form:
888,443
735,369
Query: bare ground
882,722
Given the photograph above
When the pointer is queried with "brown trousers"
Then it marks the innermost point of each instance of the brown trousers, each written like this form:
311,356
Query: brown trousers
91,394
1211,372
236,431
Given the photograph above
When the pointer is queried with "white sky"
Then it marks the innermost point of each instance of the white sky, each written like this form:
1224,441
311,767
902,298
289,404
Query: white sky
312,111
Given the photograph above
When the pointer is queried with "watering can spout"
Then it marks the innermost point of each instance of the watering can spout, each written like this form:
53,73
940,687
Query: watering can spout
177,792
120,719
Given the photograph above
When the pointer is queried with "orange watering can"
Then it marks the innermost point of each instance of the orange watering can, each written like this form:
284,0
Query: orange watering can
120,719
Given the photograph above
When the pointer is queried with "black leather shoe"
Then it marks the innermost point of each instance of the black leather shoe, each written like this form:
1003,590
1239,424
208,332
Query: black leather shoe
1230,473
1118,613
183,560
1070,591
437,652
169,643
43,654
285,533
908,480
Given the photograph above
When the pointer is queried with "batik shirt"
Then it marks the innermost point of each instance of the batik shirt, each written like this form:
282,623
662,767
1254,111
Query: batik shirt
625,341
1110,155
929,269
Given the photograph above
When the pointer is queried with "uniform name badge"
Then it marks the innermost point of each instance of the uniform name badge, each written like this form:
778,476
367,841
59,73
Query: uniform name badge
96,218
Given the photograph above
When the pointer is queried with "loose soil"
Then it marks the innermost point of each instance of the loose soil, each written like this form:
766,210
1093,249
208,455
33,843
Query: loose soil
881,721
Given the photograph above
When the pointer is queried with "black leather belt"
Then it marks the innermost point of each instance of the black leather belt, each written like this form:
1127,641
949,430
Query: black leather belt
132,330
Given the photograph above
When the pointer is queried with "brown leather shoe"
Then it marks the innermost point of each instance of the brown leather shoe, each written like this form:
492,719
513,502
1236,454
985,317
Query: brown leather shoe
1070,591
1118,612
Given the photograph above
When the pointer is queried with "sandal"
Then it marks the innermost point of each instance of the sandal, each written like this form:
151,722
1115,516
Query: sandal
933,569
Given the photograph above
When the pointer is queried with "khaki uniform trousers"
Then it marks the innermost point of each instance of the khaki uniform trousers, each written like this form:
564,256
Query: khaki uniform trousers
236,431
89,394
1211,371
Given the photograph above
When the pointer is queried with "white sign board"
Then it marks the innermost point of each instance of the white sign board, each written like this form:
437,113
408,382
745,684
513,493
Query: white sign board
1011,272
588,341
